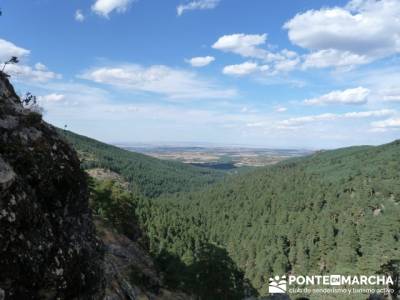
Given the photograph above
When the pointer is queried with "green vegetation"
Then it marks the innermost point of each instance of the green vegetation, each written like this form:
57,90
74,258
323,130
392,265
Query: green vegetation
335,212
151,177
209,272
115,206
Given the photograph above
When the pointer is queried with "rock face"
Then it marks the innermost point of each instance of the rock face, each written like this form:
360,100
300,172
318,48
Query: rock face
48,248
129,270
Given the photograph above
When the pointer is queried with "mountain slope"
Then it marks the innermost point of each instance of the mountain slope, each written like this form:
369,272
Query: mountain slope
296,217
149,176
293,217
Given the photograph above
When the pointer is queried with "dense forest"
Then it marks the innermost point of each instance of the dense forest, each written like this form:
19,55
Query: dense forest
148,176
332,212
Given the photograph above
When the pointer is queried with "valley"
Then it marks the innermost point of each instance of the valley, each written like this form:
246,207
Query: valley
289,217
224,158
200,150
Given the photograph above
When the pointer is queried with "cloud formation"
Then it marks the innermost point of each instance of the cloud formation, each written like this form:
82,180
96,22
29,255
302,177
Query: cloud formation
38,73
197,5
8,49
245,68
200,61
359,33
386,124
300,121
332,57
105,7
250,46
22,71
79,16
280,109
390,94
173,83
53,97
246,45
353,96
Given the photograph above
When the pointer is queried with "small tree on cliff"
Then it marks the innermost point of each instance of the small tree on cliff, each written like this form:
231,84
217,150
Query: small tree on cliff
30,103
13,60
29,99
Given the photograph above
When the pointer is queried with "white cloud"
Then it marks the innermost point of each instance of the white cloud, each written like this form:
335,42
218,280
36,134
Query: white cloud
173,83
39,73
293,122
331,57
386,124
363,31
21,71
79,16
85,103
54,97
256,124
300,121
390,94
197,5
244,69
40,67
383,81
101,107
368,114
105,7
286,64
357,95
249,46
246,45
8,49
200,61
280,109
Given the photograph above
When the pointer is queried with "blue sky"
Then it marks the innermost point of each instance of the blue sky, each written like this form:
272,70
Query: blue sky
297,74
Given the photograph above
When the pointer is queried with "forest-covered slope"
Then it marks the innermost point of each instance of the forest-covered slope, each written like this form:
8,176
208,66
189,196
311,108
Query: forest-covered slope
333,212
149,176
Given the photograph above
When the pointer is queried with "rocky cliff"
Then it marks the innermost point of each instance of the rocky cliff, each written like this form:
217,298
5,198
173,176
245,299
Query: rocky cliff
48,247
48,243
130,272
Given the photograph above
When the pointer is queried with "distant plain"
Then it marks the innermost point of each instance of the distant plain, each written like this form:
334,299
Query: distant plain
225,158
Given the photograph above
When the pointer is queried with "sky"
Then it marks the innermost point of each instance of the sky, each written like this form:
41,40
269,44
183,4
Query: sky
278,74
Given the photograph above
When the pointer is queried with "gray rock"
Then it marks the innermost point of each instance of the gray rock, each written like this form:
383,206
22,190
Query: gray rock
47,237
9,122
7,175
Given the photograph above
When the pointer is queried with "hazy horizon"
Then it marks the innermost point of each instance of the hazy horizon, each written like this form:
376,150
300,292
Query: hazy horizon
203,71
210,144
